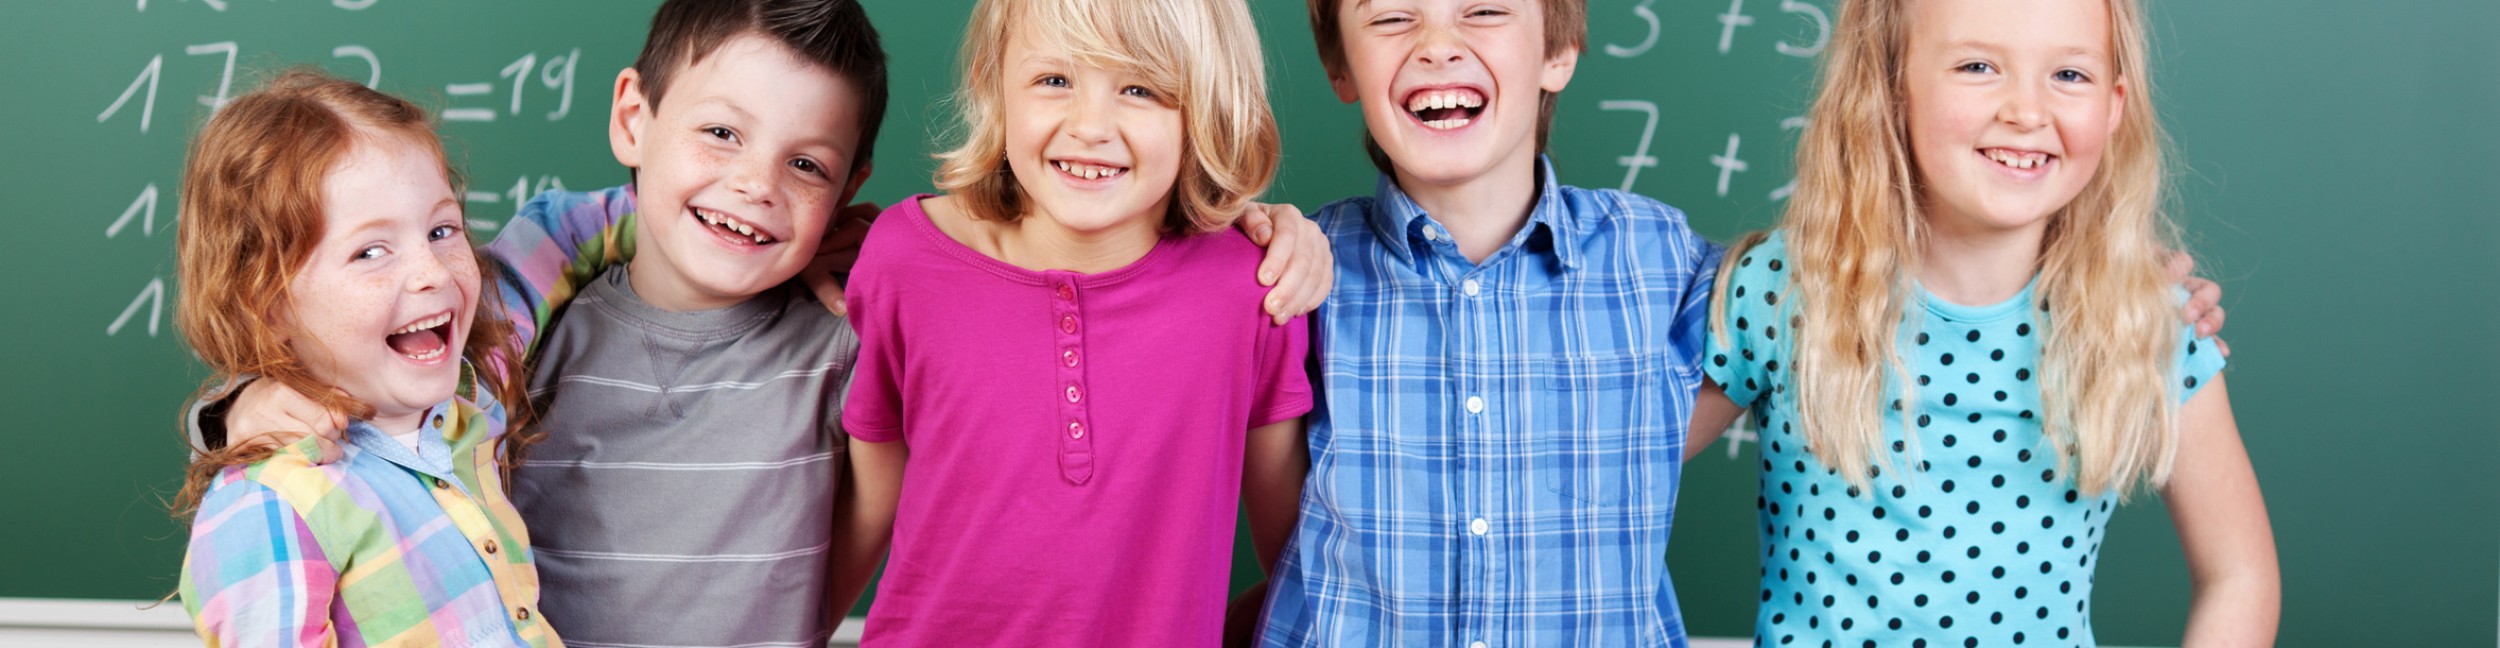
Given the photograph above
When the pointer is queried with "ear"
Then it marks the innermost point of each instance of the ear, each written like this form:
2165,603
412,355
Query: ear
2117,105
1558,70
1342,83
627,114
859,178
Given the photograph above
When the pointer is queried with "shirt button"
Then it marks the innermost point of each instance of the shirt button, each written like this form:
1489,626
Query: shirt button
1068,357
1430,235
1074,395
1067,293
521,613
1470,287
439,483
1067,324
1478,644
1076,429
1479,527
438,421
1475,405
490,545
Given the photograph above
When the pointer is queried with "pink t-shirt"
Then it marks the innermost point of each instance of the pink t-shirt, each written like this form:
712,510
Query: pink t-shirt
1075,439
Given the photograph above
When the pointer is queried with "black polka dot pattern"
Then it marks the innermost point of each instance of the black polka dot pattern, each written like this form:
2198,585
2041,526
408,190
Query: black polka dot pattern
1982,541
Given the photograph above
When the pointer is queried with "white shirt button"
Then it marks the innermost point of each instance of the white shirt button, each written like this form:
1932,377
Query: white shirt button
1430,235
1470,287
1479,527
1475,404
1478,644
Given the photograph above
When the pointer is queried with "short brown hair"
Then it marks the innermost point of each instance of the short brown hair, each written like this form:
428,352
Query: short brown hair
1566,30
834,34
1202,54
251,216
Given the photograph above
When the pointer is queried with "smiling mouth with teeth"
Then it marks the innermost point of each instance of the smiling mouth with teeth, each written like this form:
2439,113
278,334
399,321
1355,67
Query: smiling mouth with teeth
423,340
2017,159
731,227
1446,109
1087,171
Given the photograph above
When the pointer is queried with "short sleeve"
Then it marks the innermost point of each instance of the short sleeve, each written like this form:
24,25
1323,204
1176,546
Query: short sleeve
1691,330
254,574
1746,346
2198,362
1283,390
873,409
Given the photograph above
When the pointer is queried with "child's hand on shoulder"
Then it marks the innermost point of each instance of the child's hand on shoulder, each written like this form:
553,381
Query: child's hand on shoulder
1299,268
2204,304
268,413
834,256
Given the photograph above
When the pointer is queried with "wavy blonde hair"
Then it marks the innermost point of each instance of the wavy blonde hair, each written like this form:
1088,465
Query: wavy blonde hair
1856,231
1203,55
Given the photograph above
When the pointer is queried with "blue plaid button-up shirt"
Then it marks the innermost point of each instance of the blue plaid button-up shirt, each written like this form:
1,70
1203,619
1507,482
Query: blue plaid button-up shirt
1495,449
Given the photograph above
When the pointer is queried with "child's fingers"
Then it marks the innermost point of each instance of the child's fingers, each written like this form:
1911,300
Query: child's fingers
330,450
827,289
1256,223
2224,347
2181,266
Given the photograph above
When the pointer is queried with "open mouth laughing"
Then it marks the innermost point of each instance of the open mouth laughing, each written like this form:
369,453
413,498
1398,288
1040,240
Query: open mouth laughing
424,340
1445,108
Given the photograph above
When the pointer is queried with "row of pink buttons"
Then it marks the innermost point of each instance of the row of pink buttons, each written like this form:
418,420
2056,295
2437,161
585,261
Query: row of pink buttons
1076,455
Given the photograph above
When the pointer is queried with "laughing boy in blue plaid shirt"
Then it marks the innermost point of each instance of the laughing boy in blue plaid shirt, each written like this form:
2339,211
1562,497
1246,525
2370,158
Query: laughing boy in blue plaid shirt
1508,364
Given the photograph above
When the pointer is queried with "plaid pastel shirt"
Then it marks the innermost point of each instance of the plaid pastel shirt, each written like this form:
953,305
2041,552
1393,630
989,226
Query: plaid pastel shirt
1495,451
388,546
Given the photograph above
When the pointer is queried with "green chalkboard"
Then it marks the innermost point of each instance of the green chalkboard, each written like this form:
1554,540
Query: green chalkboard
2336,166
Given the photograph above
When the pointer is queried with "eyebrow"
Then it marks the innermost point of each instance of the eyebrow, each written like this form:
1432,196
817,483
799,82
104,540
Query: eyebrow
1995,49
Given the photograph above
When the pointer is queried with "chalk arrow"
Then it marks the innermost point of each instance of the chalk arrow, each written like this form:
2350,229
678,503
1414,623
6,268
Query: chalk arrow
153,296
146,204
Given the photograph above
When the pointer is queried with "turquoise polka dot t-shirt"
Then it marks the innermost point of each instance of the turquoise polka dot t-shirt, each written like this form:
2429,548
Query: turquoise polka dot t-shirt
1971,536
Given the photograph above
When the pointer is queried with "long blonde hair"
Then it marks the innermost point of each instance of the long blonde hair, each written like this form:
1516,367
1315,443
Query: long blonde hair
1855,230
1201,54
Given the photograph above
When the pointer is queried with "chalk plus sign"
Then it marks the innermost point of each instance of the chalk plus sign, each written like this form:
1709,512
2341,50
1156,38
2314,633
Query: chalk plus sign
1728,164
1734,18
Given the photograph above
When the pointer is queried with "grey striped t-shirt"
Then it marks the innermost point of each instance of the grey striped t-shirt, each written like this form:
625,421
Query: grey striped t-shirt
683,495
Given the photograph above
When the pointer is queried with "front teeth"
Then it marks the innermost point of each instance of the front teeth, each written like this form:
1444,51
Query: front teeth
429,322
1444,99
1086,171
724,222
429,355
2018,160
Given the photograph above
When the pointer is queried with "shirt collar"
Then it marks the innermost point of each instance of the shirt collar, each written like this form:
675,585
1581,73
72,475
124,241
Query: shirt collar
432,456
1401,223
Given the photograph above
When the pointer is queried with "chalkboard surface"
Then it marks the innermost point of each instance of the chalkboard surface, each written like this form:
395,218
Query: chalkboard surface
2337,176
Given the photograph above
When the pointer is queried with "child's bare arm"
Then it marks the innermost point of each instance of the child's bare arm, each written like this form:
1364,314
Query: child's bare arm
1298,268
1273,465
863,511
1713,412
2221,517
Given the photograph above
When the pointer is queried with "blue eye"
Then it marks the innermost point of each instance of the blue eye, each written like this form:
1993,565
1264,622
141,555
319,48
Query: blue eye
1053,80
1976,67
2071,76
1139,92
441,232
369,253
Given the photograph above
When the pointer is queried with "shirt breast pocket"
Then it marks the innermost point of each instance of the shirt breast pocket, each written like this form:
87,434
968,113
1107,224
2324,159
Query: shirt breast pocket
1603,431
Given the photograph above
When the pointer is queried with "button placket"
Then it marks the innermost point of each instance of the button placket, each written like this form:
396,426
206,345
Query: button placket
1075,431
